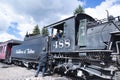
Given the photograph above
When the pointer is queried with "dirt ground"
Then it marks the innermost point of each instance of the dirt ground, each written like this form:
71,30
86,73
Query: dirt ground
13,72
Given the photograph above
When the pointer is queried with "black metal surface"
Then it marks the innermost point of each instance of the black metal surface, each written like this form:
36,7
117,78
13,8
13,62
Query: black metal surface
30,49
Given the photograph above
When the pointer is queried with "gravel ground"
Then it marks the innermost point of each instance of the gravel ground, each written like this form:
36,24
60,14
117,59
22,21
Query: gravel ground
13,72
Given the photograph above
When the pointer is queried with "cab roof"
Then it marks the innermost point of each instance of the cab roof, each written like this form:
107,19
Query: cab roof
77,17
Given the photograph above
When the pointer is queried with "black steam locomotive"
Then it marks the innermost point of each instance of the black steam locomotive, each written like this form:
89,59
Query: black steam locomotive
84,47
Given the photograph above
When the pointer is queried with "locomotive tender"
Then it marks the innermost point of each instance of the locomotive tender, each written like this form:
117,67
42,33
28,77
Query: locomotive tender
85,47
30,51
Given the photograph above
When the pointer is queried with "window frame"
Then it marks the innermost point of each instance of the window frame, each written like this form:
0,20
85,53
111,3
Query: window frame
82,33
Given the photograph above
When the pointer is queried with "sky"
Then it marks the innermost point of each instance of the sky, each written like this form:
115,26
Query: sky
20,16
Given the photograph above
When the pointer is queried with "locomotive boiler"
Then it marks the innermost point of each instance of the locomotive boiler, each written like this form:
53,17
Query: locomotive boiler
85,47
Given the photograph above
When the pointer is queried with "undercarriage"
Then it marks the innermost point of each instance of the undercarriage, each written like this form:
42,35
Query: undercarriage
100,63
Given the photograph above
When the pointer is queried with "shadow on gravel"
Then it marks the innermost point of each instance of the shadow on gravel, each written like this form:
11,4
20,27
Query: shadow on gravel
62,78
7,66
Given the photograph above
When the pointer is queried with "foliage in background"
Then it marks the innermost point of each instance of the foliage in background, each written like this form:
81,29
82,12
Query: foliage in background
78,10
45,31
36,30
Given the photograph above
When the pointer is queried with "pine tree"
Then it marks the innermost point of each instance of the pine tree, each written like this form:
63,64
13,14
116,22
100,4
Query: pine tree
36,30
45,31
78,10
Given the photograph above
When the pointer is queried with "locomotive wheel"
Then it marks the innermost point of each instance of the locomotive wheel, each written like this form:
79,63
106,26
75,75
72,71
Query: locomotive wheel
26,64
85,75
9,61
116,75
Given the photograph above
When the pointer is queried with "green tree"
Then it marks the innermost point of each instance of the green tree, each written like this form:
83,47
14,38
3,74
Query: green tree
36,30
78,10
45,31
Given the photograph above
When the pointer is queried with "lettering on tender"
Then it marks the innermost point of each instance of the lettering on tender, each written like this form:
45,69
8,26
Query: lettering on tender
26,51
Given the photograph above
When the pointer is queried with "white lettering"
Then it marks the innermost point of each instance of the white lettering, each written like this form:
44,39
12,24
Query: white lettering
62,44
26,51
67,43
56,44
19,51
30,51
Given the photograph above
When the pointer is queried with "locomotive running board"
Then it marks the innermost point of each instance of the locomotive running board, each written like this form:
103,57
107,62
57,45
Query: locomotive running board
95,51
95,72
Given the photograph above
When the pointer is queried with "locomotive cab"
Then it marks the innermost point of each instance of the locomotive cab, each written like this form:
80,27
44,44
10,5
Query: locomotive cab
61,39
72,33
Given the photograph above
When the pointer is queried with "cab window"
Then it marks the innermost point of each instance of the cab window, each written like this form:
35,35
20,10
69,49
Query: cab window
57,31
